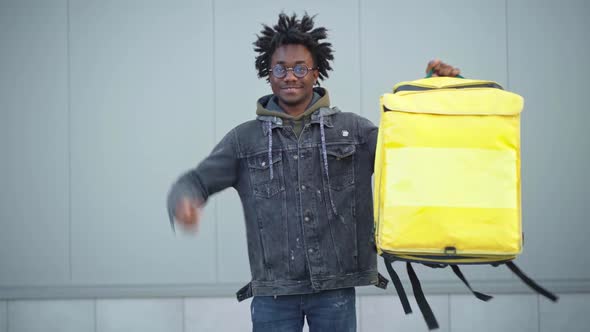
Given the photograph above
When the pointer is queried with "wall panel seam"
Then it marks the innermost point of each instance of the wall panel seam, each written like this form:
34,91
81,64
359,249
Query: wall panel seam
215,138
360,52
538,313
69,138
507,45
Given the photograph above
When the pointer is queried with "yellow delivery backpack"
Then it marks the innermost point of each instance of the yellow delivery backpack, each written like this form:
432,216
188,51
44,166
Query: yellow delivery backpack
447,180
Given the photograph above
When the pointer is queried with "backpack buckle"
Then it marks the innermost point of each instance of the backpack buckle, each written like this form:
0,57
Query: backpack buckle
450,251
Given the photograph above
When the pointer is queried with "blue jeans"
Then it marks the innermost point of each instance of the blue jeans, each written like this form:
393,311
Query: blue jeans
327,311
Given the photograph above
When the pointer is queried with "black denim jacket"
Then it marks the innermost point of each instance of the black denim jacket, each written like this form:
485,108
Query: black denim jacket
307,200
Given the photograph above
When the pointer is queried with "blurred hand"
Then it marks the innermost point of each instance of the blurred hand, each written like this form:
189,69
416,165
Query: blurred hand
188,213
440,68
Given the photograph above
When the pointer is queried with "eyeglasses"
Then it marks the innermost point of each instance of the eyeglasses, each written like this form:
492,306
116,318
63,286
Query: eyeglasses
299,70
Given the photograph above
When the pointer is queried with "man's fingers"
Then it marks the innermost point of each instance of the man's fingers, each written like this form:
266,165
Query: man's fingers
186,211
432,65
445,70
440,68
184,207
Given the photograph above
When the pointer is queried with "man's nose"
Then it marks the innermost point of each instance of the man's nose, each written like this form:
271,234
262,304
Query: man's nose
290,76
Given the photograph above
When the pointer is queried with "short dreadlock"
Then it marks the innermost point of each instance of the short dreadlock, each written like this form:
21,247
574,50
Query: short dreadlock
290,30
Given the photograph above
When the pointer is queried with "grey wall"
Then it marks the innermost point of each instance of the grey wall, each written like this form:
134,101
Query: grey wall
455,313
104,103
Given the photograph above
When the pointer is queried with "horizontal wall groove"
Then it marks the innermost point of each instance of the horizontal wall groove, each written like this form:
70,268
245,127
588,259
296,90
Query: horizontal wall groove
559,286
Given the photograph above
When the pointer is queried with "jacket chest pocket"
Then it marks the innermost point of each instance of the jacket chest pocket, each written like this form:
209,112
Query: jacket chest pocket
341,165
263,184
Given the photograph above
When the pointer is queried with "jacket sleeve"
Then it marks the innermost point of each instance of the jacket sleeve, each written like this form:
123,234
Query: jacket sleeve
368,132
215,173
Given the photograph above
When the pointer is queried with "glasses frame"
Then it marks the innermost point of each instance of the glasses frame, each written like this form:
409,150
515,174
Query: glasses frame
292,69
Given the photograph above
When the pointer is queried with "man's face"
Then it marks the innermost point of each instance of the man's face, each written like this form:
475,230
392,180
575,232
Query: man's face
293,91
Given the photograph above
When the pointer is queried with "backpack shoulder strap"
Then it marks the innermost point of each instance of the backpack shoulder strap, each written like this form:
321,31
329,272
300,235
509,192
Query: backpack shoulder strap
531,283
460,275
399,288
421,299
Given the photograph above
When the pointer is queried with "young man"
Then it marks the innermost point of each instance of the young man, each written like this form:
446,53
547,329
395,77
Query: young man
303,172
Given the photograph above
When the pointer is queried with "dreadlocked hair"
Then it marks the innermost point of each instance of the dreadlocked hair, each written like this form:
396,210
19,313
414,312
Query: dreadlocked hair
290,30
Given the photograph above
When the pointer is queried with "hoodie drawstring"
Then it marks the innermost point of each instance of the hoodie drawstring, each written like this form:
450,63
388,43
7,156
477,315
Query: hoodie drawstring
269,124
325,155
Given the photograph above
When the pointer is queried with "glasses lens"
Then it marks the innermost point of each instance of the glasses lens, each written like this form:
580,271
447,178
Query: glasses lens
279,71
300,70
